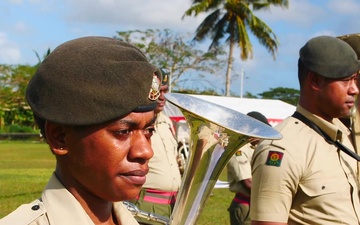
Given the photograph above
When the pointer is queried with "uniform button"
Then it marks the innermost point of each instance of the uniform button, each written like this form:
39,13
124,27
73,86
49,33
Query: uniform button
35,207
323,187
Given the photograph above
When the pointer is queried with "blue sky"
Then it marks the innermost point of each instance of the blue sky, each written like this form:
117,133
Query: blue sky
36,25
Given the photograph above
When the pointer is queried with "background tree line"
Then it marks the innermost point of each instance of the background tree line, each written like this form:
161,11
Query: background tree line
226,26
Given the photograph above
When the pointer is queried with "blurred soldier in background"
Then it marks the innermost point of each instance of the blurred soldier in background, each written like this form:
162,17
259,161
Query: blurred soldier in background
353,122
163,180
239,178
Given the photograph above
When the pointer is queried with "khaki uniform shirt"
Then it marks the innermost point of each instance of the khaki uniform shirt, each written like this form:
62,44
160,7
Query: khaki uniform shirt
355,126
58,206
164,173
356,129
239,169
301,179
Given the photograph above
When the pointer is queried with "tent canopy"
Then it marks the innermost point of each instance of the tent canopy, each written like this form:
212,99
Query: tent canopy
274,110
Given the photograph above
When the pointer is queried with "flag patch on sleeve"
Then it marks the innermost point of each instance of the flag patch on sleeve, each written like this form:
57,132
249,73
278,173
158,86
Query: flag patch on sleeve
274,158
238,153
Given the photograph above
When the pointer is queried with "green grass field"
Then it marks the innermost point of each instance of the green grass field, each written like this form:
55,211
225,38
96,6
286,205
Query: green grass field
25,168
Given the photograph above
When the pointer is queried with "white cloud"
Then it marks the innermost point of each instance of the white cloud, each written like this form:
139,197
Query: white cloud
16,1
135,14
20,2
299,13
36,1
9,52
21,27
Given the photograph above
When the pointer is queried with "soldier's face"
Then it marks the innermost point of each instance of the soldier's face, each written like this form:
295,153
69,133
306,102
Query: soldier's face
109,161
161,100
338,95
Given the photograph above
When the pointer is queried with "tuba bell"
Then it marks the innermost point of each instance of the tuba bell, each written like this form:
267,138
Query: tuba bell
216,133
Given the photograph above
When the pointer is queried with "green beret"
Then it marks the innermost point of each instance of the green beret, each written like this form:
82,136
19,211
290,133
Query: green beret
258,116
354,41
91,80
329,57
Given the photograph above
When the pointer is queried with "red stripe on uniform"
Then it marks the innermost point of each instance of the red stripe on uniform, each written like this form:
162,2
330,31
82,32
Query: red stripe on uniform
159,200
242,199
163,193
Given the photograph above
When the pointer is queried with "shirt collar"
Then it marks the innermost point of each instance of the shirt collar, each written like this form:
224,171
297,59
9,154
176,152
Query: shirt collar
334,130
63,208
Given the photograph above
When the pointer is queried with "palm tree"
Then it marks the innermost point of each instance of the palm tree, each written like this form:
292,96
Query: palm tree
47,53
231,19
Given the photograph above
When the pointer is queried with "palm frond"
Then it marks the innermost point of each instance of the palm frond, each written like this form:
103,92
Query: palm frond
200,6
232,23
219,31
243,40
265,35
207,26
237,18
260,4
281,3
241,13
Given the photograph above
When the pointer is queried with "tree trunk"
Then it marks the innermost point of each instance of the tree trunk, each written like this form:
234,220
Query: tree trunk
229,67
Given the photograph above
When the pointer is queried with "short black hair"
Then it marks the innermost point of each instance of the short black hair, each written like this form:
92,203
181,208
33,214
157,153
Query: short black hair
41,124
303,72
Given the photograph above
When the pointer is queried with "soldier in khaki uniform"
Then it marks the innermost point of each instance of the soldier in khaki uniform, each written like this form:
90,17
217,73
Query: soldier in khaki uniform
93,99
239,178
163,181
354,41
304,178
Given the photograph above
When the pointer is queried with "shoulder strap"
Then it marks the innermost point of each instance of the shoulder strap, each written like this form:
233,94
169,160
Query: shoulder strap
338,144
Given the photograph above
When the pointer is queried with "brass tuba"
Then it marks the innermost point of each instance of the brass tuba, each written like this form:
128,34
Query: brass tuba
216,133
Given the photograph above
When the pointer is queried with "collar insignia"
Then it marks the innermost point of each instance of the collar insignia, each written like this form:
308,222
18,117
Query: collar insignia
155,88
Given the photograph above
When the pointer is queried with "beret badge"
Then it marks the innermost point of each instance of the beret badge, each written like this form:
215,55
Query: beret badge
155,89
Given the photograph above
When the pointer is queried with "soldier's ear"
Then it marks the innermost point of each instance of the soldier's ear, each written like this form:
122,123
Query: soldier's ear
315,81
55,137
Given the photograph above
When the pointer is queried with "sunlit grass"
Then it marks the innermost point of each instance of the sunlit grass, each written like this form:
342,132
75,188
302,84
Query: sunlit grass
25,168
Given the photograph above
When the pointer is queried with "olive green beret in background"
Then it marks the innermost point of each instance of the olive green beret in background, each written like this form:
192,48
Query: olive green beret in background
329,57
91,80
354,41
165,77
258,116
